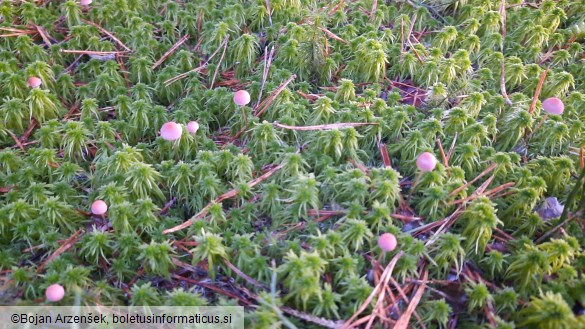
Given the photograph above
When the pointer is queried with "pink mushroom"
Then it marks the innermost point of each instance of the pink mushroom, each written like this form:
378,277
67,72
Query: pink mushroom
553,106
426,162
387,242
171,131
85,2
34,82
192,127
241,97
99,207
55,292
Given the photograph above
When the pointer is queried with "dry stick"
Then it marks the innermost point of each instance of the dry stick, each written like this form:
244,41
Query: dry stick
385,156
16,140
405,317
198,69
66,245
401,35
212,287
104,31
333,35
228,195
262,107
373,12
219,63
387,272
483,173
267,2
43,35
503,70
313,319
170,51
91,52
452,147
267,63
245,276
334,9
537,91
445,161
326,126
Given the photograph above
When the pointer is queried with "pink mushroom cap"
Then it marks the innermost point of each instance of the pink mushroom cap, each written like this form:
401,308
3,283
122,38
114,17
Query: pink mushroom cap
241,97
55,292
85,2
192,127
426,162
387,242
553,105
171,131
99,207
34,82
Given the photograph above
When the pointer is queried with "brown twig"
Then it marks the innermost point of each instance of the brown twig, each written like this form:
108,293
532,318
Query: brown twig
16,140
228,195
384,278
405,317
106,32
262,107
197,69
334,9
91,52
445,161
64,247
330,126
170,51
537,91
333,35
483,173
385,156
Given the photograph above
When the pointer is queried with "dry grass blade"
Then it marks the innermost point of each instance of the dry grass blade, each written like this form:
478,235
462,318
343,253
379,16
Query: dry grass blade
170,51
228,195
91,52
383,278
483,173
326,126
334,9
262,107
502,64
333,35
245,276
220,60
64,247
266,70
537,91
198,69
385,156
106,32
313,319
405,318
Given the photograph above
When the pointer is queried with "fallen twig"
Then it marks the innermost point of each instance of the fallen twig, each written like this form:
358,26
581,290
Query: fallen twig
170,51
262,107
106,32
405,317
326,126
228,195
64,247
220,60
